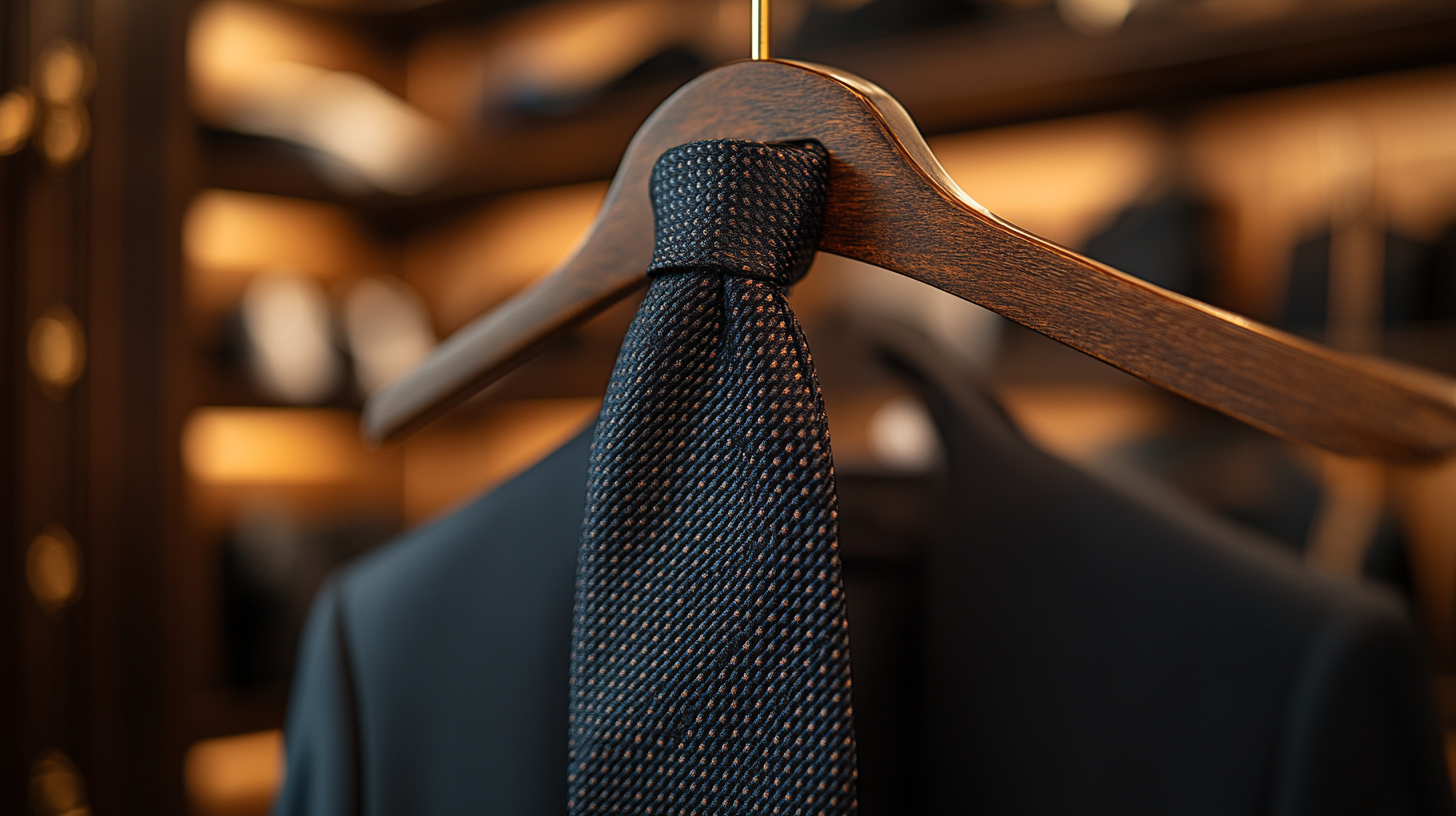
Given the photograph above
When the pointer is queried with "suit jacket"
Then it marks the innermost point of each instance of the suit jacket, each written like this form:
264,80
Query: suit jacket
1057,645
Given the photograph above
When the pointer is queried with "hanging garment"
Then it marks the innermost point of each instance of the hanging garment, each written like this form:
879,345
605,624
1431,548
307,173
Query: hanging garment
710,653
1091,652
1073,649
432,673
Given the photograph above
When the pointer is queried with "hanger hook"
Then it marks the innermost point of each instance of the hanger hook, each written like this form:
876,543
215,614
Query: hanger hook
760,29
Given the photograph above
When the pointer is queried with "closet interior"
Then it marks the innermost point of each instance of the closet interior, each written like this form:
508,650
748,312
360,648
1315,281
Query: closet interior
264,211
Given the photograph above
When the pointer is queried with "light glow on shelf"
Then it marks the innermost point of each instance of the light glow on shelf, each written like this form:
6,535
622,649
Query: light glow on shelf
234,776
228,237
1062,180
446,464
274,446
468,266
258,70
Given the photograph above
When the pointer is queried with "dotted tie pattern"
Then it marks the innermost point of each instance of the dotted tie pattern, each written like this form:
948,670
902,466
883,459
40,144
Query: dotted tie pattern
710,651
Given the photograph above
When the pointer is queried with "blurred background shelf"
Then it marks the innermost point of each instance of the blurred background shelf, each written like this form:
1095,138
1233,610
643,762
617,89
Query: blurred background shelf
997,71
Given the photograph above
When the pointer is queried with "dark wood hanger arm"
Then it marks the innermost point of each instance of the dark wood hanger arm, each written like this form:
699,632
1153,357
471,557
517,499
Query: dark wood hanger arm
892,205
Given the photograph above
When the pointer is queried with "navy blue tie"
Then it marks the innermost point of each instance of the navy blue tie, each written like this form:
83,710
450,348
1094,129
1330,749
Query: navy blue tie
710,651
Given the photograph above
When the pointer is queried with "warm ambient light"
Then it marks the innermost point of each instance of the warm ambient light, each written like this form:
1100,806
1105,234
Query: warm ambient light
53,569
387,329
902,436
1097,18
66,134
17,119
230,236
374,136
57,350
1062,180
469,266
1081,422
65,72
231,230
56,787
289,336
446,464
561,51
234,776
255,69
1278,163
274,445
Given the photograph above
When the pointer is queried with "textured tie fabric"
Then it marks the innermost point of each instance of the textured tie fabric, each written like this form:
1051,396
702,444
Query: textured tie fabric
710,651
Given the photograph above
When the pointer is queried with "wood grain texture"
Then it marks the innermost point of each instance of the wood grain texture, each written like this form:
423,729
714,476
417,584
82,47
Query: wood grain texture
892,205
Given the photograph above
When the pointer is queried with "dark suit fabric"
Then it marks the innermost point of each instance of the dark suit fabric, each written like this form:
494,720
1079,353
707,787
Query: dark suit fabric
1069,648
1089,652
432,675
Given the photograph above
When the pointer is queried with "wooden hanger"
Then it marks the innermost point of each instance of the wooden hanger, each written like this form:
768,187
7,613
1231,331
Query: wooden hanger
892,205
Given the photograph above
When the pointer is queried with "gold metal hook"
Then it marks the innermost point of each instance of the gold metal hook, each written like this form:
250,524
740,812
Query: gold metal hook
760,29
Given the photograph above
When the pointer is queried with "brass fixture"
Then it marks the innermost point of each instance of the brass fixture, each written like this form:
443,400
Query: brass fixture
760,29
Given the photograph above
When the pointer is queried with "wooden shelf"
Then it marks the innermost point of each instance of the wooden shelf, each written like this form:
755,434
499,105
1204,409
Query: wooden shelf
1021,68
1036,68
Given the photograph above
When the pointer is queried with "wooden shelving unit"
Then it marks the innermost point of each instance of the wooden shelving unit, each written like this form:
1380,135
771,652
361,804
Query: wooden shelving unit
995,72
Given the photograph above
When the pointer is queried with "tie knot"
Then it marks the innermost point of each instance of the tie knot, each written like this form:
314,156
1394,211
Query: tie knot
747,209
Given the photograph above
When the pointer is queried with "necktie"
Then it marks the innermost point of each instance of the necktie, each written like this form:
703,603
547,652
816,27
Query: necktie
710,650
